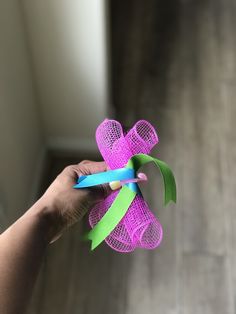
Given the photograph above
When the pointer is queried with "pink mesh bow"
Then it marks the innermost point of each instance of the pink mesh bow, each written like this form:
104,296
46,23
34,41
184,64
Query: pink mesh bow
139,227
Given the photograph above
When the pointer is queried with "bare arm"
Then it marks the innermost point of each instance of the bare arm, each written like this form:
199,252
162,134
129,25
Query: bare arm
23,245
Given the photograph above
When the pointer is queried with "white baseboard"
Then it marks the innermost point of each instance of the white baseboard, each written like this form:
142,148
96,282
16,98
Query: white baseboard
75,145
37,179
3,218
59,145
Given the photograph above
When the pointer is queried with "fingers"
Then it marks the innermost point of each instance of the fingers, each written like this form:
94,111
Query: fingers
93,166
87,167
101,167
90,167
85,162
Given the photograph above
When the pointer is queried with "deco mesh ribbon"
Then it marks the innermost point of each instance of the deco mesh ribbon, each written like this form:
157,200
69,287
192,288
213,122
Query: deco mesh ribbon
124,219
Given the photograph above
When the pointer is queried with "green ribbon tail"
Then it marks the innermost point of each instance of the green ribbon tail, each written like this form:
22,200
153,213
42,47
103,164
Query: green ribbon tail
139,160
112,217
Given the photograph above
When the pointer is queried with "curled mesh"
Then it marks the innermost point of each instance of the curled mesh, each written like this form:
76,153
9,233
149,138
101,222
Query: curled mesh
139,227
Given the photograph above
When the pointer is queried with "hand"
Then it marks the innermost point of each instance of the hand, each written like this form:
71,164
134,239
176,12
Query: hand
23,244
68,205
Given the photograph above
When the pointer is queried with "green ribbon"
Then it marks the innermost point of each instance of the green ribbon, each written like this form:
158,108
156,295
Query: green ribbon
125,197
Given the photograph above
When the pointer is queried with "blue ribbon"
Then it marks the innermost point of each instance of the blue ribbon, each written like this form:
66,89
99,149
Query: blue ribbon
109,176
105,177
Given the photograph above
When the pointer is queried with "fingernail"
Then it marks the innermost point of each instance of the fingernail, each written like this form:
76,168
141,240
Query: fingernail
142,176
115,185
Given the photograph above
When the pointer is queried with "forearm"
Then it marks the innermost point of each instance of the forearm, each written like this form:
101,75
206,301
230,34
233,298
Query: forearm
22,248
23,245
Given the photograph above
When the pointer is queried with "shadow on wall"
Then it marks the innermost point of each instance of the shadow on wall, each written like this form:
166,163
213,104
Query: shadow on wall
70,65
143,36
144,42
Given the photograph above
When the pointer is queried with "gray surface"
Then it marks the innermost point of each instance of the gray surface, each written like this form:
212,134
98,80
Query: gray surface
176,68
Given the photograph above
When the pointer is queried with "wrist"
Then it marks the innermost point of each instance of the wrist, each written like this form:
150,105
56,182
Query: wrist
49,219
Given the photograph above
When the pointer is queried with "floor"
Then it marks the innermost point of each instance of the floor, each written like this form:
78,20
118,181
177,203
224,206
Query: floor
174,63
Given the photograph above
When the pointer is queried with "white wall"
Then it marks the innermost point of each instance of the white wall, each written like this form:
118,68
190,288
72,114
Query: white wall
20,135
68,45
53,87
